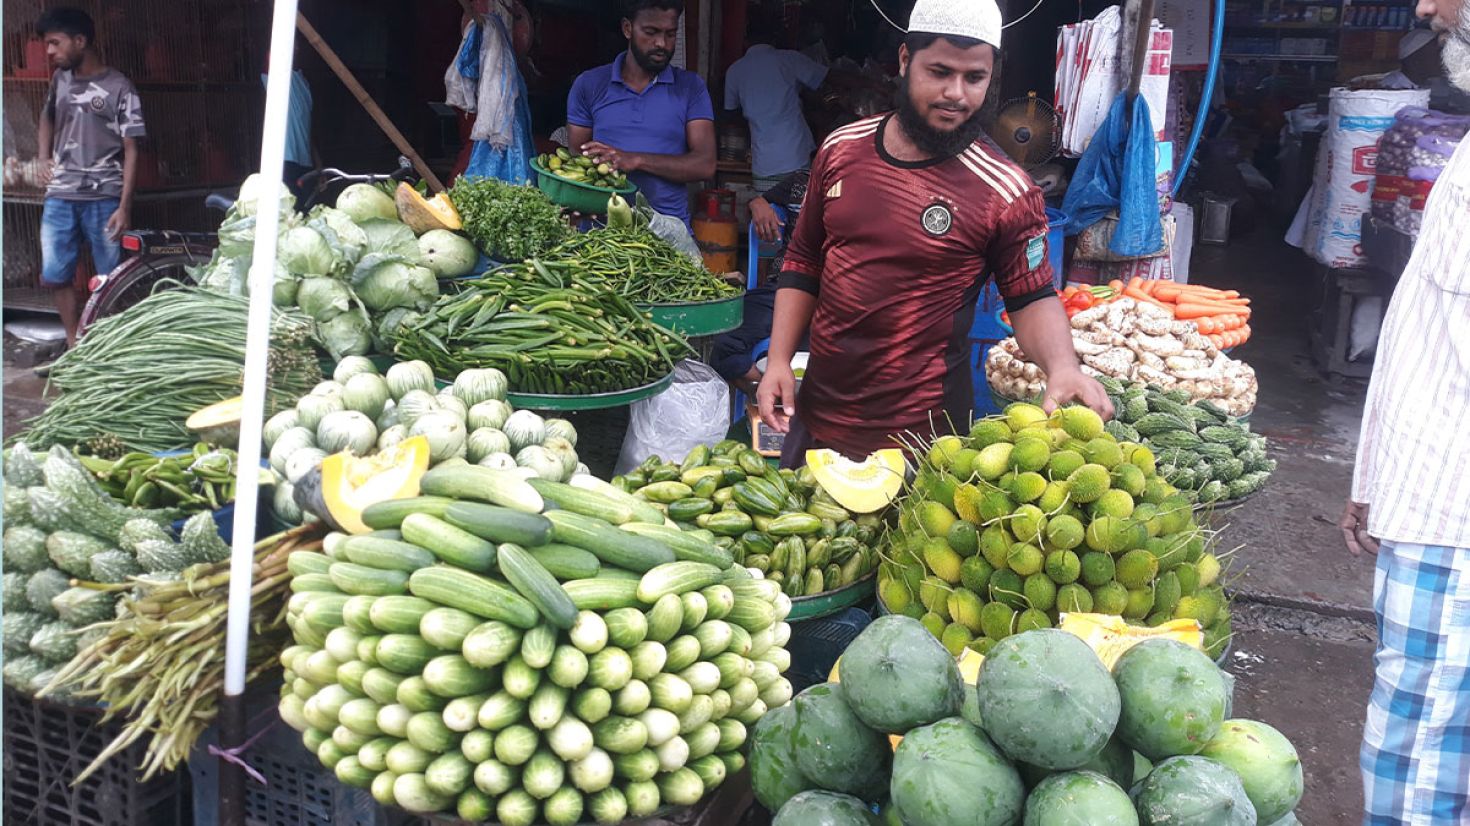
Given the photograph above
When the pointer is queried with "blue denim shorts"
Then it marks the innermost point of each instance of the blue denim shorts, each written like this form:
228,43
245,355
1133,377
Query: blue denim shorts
64,227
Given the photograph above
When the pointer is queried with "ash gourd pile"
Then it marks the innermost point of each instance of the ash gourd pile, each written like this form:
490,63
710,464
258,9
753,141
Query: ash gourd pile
520,650
1046,736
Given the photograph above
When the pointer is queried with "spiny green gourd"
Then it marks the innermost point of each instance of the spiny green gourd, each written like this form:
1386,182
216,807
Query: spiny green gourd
200,540
25,549
43,587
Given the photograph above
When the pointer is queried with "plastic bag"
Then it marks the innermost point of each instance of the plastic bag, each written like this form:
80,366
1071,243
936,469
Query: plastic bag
1116,173
694,411
667,227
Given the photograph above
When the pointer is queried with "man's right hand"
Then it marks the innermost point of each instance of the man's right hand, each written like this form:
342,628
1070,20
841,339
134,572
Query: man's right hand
776,396
47,170
767,222
1354,525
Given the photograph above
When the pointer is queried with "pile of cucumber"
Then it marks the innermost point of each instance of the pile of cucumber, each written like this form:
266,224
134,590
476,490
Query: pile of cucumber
778,522
525,651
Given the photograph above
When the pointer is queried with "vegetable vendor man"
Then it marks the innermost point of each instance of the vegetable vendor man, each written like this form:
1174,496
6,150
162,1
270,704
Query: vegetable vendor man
641,115
904,213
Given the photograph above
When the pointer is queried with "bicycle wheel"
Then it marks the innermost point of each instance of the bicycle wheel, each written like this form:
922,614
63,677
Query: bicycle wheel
133,281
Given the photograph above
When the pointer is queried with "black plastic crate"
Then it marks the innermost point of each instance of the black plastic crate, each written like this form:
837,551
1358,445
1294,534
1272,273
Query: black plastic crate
816,644
46,745
298,791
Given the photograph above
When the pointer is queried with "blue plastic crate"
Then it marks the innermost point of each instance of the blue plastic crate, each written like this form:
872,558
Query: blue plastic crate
299,791
984,401
816,644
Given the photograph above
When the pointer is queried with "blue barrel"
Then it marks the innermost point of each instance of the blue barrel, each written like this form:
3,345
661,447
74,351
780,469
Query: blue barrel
1056,222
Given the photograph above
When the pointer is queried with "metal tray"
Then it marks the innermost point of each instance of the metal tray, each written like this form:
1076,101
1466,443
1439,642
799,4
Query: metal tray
699,318
595,401
830,602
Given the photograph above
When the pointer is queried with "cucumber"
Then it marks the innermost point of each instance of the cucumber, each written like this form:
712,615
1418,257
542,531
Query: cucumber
676,578
568,667
547,705
352,578
482,484
427,731
626,627
390,514
642,510
474,806
478,745
381,685
350,674
405,654
538,646
404,757
412,792
473,593
324,611
685,545
592,704
614,547
695,609
398,614
357,614
665,618
490,644
361,716
714,638
638,767
452,676
499,524
386,554
719,599
602,594
543,775
453,545
449,774
682,652
566,561
462,714
515,744
519,679
501,710
348,740
537,584
374,755
447,628
620,735
307,562
351,772
632,699
393,720
314,582
586,502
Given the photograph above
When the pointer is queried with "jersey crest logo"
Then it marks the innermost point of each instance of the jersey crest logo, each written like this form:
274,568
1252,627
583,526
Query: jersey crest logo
937,220
835,190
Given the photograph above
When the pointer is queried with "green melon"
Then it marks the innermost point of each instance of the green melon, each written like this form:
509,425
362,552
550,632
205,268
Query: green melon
1079,798
816,808
1266,762
833,748
971,708
1049,698
949,774
877,672
1173,698
1115,762
1193,791
774,775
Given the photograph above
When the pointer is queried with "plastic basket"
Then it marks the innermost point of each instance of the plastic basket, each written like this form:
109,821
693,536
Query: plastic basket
578,196
47,745
816,644
298,789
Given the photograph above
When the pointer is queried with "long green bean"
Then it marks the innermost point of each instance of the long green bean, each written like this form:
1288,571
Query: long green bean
641,267
130,383
549,327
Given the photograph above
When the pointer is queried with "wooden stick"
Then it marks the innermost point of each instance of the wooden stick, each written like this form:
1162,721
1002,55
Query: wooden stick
376,112
1142,40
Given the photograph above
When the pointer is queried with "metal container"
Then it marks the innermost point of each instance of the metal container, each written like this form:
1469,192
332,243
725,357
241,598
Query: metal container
1214,219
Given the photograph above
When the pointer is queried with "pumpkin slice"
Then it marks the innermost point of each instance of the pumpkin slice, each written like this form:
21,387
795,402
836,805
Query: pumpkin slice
219,423
861,487
423,214
345,485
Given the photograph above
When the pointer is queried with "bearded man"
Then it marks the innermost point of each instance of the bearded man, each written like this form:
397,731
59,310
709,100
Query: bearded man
645,117
906,215
1411,504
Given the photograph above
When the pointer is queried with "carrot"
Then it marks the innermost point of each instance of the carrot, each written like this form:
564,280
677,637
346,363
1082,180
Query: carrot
1206,325
1116,285
1196,309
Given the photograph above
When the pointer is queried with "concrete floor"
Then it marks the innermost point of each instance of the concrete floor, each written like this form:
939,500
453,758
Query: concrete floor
1303,646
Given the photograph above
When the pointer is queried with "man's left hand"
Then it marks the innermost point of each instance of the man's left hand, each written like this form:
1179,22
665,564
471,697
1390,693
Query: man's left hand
1073,386
617,159
119,223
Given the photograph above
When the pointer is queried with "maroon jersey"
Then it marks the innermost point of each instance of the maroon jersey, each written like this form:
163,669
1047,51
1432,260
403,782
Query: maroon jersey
896,253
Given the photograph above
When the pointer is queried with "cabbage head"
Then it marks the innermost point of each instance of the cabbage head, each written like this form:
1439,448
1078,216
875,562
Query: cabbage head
388,325
391,238
347,334
340,233
323,298
384,282
283,289
303,251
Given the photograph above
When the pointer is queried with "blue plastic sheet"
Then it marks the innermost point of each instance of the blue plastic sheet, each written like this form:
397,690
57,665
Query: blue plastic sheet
1116,173
513,163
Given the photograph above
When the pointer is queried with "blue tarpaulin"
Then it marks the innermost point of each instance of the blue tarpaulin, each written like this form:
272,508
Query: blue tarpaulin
513,163
1116,174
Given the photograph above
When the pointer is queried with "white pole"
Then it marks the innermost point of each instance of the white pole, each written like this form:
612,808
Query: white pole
252,409
257,341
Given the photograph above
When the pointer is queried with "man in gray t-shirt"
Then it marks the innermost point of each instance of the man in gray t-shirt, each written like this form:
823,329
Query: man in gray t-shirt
90,126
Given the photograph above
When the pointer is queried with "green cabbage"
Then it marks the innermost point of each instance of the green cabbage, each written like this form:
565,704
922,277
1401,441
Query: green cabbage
384,282
283,289
323,298
347,334
303,251
223,274
340,232
390,238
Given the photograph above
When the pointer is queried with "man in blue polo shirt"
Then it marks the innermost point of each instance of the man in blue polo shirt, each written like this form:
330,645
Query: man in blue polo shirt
645,117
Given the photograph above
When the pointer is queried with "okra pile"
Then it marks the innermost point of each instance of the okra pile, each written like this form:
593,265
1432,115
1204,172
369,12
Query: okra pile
781,523
527,651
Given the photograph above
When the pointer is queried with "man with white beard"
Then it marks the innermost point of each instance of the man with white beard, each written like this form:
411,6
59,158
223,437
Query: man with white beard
1411,493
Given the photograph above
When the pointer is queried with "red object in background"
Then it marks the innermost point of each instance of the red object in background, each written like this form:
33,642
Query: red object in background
35,63
732,35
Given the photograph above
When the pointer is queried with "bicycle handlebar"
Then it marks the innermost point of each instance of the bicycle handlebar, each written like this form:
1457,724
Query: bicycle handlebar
334,175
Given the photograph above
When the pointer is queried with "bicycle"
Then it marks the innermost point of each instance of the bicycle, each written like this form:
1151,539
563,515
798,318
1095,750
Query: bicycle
158,256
